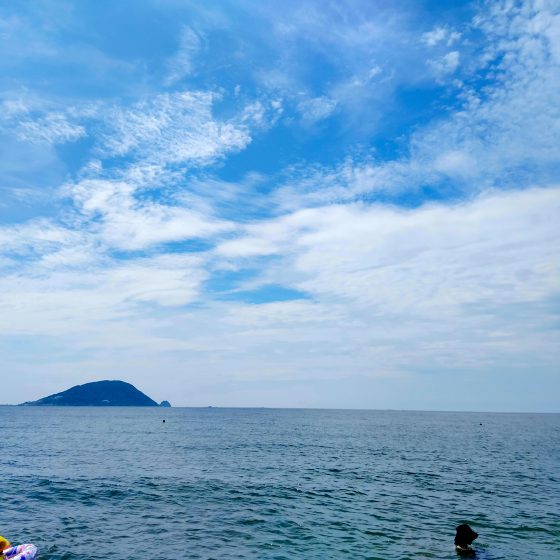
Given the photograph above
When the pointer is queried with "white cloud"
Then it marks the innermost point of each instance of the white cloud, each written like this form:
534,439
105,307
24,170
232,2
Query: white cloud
42,301
14,107
374,71
447,64
261,114
172,128
168,280
254,112
456,164
439,35
349,181
499,248
435,36
36,238
317,108
286,314
438,257
182,63
30,119
53,128
503,137
352,41
122,220
76,256
464,286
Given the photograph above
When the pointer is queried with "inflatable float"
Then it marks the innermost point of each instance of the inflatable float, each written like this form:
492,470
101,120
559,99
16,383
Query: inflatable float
20,552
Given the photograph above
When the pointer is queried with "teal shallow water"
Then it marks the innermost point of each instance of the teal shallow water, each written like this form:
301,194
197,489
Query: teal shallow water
278,484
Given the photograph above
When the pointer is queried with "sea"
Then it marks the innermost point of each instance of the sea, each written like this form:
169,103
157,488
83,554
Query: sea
218,483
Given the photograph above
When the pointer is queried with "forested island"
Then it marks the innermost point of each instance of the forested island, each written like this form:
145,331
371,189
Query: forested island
98,393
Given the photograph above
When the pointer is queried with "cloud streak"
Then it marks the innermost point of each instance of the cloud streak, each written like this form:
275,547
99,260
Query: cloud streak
172,129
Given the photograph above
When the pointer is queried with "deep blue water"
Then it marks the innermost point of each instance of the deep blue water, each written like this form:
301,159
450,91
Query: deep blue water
81,483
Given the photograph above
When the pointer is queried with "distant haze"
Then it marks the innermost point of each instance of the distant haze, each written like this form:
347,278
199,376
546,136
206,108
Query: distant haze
282,204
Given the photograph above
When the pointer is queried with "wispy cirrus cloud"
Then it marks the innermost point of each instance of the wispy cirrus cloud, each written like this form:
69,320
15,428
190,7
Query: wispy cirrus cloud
447,64
181,64
171,128
440,34
35,237
121,220
317,108
464,254
53,128
58,302
501,137
37,122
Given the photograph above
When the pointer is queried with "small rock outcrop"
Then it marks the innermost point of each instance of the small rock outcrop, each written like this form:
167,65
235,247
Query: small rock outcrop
97,393
165,404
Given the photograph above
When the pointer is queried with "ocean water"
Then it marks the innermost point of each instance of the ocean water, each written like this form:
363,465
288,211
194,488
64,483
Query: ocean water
95,483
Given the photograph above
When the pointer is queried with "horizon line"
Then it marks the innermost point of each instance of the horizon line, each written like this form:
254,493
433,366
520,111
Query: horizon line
318,408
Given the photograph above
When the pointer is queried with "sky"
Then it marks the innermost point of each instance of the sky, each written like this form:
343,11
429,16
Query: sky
340,204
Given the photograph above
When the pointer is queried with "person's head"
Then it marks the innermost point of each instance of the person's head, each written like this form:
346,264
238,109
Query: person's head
465,535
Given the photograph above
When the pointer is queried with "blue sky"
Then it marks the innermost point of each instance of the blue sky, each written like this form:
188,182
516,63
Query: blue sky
325,204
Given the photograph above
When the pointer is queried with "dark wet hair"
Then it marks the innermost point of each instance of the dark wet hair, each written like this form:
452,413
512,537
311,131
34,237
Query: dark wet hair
465,535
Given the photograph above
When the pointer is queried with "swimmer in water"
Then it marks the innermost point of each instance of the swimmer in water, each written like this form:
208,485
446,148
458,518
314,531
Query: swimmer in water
463,540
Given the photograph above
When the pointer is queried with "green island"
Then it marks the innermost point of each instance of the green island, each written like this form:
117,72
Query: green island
99,393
